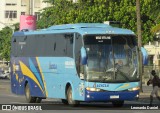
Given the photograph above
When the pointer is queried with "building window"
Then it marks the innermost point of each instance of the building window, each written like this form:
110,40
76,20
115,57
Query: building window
10,14
24,2
11,4
36,3
23,13
37,14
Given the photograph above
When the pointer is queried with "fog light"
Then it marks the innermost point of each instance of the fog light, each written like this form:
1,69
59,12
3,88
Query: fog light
88,96
137,96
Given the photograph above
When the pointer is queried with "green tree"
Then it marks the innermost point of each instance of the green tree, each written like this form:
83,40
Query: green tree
5,42
64,12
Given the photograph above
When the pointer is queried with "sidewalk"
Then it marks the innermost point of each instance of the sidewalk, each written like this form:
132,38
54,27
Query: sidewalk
144,96
146,91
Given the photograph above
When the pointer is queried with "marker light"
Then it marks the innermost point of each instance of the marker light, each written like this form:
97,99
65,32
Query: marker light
88,96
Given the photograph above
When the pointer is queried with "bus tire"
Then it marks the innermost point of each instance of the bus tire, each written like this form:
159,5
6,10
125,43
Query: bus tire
64,101
118,103
70,100
29,98
38,100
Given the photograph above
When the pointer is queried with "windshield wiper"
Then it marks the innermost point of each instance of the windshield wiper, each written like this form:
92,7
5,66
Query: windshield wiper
122,74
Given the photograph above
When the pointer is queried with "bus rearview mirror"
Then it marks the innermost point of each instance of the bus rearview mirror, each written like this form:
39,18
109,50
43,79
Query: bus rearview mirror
83,56
144,56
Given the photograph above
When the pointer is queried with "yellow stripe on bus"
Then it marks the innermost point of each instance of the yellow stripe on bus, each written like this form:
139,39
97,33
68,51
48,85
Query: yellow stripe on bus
26,71
42,76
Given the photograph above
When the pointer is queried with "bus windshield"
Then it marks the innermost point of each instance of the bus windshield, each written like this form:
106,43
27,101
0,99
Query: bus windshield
111,58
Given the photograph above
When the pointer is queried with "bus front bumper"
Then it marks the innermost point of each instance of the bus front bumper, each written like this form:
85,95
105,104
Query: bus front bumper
91,96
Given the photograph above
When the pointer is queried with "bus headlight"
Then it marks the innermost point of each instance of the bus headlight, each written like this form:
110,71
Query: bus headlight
92,89
134,89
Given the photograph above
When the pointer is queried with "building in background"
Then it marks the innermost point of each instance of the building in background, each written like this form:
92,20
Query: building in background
153,49
10,10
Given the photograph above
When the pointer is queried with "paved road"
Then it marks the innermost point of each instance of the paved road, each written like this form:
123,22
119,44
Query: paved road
6,97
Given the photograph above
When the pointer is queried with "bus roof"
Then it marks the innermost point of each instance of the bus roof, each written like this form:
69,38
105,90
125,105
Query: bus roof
81,28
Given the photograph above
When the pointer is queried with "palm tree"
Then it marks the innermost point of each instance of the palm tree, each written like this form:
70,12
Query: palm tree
138,23
139,38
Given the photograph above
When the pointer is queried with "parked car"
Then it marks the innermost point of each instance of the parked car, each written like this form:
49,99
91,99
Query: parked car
4,73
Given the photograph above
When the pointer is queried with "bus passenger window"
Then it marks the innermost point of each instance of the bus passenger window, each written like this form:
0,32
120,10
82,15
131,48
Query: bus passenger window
54,46
71,40
77,46
14,40
69,45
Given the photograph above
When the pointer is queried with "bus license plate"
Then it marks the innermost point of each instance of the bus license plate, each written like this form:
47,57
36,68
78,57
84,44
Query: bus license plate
114,96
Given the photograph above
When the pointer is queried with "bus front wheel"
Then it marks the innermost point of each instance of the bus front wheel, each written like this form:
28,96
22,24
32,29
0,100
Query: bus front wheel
29,98
70,98
64,101
118,103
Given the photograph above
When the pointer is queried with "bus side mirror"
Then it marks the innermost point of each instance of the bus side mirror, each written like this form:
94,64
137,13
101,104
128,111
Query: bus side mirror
144,56
83,56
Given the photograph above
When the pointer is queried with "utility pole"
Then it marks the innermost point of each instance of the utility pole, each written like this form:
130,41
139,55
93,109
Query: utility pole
31,7
139,40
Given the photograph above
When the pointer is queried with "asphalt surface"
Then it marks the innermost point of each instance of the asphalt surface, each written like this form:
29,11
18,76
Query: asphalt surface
55,105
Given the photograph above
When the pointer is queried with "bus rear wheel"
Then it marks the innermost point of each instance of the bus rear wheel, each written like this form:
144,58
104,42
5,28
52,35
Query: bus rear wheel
70,100
64,101
38,100
29,98
118,103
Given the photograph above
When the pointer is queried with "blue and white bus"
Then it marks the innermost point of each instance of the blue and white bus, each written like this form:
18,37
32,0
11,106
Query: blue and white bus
84,62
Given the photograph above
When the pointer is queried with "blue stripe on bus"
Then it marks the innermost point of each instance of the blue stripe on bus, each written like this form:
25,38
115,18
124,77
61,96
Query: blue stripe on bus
34,70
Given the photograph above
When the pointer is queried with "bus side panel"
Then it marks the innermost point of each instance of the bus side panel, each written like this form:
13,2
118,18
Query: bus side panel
24,70
57,72
46,76
14,78
34,89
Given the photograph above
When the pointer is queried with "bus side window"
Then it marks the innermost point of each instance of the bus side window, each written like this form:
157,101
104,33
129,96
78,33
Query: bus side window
13,48
54,46
69,45
19,46
78,45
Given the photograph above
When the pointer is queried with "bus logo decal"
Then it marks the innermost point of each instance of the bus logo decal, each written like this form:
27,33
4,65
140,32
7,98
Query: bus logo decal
52,66
69,64
102,85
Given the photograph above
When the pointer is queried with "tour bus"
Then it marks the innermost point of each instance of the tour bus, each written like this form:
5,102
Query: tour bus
83,62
